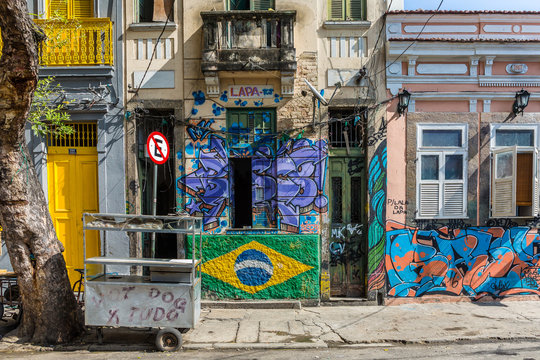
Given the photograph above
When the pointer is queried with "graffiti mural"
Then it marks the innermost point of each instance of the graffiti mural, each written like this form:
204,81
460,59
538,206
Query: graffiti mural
288,183
260,266
475,261
377,216
206,186
291,184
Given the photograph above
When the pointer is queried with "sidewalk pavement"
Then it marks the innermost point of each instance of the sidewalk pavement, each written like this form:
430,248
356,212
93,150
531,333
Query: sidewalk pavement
332,326
361,325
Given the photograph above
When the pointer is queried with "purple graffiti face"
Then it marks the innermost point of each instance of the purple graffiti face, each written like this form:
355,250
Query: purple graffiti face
208,184
293,180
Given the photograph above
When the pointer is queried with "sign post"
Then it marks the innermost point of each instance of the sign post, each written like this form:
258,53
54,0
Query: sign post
157,147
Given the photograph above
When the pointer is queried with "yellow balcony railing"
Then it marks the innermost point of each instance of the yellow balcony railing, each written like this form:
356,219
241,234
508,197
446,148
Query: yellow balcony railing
77,42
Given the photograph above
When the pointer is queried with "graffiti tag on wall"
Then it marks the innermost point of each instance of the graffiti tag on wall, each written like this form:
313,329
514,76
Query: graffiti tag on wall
137,306
344,247
207,185
475,261
377,216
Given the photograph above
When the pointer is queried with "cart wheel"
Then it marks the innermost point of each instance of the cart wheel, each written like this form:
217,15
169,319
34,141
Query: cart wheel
168,339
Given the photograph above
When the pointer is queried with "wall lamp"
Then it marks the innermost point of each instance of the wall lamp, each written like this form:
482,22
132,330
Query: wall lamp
521,102
404,97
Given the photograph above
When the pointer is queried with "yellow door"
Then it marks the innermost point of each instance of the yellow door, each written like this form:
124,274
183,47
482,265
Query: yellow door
73,189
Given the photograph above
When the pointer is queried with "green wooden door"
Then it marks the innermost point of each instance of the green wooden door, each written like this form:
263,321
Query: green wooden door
348,248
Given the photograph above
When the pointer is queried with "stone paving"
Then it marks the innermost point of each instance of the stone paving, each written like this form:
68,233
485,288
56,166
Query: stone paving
348,325
329,326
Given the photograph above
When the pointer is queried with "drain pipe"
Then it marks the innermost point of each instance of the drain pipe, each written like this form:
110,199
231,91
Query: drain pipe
479,132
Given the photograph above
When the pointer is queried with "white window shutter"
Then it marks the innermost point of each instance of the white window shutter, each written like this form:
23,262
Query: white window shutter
503,191
429,200
453,199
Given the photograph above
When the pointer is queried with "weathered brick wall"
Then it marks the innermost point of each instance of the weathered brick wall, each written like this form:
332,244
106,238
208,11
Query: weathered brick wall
298,111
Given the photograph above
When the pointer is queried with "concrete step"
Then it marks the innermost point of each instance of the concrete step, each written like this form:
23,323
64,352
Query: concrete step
348,301
251,304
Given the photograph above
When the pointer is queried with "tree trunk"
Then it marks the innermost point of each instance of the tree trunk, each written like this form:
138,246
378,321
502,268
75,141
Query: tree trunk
51,314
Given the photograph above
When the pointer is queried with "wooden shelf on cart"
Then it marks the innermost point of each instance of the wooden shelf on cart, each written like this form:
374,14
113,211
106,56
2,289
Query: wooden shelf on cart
135,279
187,264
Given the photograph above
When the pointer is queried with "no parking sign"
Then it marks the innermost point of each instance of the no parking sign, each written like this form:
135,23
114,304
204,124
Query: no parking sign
157,147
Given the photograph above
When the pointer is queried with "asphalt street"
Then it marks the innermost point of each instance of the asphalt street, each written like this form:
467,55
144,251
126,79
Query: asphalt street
523,350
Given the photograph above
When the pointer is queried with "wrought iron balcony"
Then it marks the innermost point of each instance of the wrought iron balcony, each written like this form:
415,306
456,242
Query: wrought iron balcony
248,41
77,42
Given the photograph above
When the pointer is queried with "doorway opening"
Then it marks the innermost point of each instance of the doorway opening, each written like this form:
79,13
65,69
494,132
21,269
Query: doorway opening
241,190
149,121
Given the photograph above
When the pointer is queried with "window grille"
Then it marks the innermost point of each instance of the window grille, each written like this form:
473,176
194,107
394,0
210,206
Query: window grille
85,135
339,131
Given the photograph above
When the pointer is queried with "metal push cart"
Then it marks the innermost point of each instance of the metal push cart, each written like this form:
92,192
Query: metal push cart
169,298
9,297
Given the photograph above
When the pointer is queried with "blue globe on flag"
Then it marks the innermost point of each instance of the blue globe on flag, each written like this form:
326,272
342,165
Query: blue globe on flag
253,267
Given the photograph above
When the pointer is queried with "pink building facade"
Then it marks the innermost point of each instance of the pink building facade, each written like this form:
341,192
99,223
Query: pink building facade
462,201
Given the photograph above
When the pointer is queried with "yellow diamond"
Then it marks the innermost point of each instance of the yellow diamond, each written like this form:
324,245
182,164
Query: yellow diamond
254,267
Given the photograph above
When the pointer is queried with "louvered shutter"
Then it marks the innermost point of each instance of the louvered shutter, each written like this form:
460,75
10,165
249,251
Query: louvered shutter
429,199
262,4
536,185
336,9
82,9
453,204
58,7
354,10
503,188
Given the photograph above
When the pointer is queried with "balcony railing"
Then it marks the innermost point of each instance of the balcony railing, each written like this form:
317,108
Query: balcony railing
77,42
246,40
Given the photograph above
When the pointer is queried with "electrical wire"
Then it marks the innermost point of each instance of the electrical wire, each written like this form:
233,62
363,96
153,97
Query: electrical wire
136,93
279,134
414,41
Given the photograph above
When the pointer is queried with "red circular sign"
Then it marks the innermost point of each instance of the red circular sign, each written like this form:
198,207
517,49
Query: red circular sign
157,147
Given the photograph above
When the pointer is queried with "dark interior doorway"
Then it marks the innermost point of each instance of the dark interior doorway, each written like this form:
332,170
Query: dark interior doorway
241,188
239,5
151,120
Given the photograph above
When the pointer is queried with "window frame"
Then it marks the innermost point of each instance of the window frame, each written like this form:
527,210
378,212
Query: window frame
251,134
157,24
534,150
251,5
441,152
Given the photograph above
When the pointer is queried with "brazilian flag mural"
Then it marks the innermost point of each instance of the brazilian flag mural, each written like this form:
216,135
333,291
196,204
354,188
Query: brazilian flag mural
260,266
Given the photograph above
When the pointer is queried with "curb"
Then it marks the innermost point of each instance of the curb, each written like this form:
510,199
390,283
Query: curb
260,346
262,304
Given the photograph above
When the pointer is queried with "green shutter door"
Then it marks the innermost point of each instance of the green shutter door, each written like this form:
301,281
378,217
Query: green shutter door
336,9
348,243
355,10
